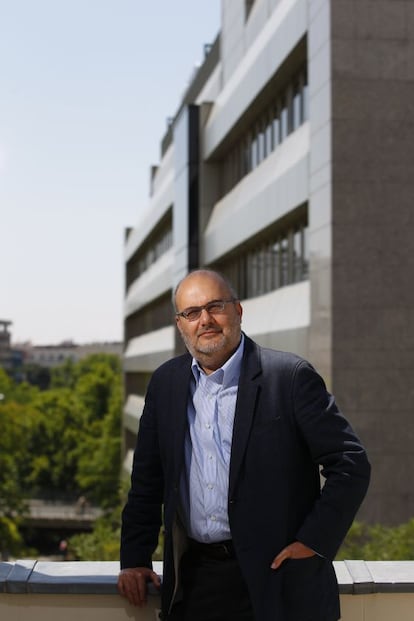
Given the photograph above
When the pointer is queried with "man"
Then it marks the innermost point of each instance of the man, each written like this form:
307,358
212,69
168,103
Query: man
230,443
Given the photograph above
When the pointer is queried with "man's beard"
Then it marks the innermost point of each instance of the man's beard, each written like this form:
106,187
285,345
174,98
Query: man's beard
207,348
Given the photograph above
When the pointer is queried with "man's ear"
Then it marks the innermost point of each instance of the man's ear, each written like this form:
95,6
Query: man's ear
240,310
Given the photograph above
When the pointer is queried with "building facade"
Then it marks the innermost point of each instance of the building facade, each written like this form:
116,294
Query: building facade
51,356
288,167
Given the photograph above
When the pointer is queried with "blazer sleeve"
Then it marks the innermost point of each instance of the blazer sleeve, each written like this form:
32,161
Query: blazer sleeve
141,517
336,448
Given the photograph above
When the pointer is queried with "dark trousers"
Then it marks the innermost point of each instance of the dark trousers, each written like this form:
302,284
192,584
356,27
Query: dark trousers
213,589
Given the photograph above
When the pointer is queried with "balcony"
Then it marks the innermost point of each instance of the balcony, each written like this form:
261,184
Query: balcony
63,591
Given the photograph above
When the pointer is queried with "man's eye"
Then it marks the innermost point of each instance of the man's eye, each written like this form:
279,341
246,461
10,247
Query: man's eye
192,313
215,307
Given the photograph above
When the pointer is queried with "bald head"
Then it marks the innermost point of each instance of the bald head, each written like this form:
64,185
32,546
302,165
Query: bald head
214,335
205,275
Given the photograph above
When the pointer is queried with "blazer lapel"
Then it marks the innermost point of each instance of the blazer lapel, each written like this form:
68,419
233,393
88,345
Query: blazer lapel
247,394
178,407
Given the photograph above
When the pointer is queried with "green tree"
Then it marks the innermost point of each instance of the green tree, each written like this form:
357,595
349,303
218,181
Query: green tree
63,440
63,376
378,542
15,426
37,375
100,545
99,391
53,445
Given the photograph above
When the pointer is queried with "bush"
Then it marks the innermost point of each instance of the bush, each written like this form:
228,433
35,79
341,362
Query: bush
378,542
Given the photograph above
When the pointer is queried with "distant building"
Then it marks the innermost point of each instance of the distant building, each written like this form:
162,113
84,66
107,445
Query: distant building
289,167
55,355
5,345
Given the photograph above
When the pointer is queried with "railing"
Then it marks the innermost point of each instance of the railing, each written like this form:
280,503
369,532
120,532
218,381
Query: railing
64,591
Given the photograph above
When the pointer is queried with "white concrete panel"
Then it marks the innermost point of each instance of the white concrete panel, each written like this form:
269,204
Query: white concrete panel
231,36
155,281
315,6
319,29
320,178
285,309
212,87
320,107
320,246
128,461
164,169
131,421
295,341
132,412
319,68
321,212
156,341
147,363
161,200
134,405
273,189
286,26
257,19
321,149
146,352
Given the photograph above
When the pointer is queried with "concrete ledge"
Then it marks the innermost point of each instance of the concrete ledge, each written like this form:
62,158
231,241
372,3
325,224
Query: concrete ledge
62,577
100,578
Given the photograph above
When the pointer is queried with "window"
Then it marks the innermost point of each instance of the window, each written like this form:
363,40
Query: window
284,121
149,252
285,113
280,260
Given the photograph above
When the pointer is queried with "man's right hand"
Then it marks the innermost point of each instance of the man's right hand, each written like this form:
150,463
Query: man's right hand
132,584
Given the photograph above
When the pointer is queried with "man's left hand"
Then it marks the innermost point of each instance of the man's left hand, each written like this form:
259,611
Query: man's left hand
295,550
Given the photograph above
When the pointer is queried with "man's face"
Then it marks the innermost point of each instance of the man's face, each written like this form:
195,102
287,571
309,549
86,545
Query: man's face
212,338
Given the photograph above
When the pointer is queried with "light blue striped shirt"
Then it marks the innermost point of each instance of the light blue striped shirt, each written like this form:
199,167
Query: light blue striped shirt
210,412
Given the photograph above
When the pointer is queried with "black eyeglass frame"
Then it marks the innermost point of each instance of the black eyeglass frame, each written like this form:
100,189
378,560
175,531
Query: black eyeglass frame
215,307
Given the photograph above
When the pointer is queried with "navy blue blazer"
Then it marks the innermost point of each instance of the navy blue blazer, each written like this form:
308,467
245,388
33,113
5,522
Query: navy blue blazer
287,428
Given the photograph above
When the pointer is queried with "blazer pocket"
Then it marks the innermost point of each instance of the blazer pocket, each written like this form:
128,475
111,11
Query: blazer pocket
308,589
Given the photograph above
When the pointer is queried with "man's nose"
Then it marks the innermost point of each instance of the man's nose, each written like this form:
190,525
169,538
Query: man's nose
205,316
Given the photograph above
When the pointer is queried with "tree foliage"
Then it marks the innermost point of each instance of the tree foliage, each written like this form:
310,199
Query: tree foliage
62,441
379,542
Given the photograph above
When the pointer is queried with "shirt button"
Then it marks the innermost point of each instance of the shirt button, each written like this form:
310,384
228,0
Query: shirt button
213,518
210,456
210,486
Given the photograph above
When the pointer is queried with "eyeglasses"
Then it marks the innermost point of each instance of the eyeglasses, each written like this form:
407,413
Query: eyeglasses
213,308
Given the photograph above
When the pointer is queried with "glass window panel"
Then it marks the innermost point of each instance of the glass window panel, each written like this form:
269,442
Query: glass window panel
276,128
284,262
276,265
261,147
268,284
305,103
246,157
253,152
269,136
284,121
297,255
305,253
297,107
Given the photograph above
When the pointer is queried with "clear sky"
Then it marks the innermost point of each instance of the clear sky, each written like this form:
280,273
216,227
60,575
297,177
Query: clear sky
86,87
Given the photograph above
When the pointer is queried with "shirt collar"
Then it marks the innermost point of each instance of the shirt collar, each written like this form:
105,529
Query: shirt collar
227,374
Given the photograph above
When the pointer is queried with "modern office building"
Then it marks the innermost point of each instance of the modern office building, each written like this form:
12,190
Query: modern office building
289,167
